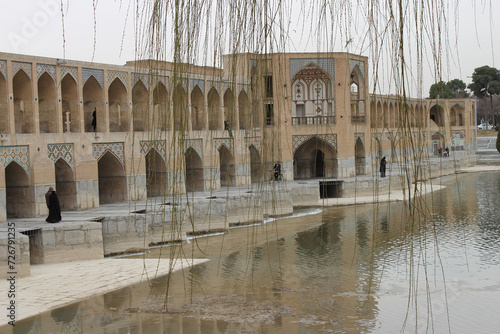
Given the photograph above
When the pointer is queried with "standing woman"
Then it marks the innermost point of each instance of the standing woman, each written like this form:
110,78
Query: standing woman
53,205
383,162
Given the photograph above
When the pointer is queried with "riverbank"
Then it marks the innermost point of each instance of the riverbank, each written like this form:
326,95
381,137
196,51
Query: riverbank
51,286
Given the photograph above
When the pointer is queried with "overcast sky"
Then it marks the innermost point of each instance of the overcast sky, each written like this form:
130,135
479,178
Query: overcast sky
34,27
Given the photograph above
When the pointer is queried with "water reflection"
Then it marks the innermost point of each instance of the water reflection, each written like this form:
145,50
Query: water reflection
363,269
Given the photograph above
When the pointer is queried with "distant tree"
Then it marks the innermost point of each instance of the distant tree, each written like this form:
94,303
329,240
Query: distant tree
458,87
441,90
485,84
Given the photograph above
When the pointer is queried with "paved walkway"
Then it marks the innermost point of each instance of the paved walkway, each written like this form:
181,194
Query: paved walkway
51,286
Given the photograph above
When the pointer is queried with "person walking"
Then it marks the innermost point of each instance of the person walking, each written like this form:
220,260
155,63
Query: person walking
383,164
277,170
53,205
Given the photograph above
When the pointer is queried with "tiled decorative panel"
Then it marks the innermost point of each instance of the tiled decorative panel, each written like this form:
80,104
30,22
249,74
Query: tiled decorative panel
143,77
71,70
327,64
26,67
331,139
3,68
17,153
255,141
112,75
97,74
159,145
163,79
246,88
360,63
195,144
228,142
459,103
50,69
63,151
117,149
214,84
198,82
442,133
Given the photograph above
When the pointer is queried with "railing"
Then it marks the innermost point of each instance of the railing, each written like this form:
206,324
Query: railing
357,118
313,120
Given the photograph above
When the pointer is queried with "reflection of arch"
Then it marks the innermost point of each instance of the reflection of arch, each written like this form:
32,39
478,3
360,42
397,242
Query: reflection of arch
194,171
315,158
436,114
156,174
92,100
47,104
112,181
256,170
65,185
70,112
227,169
359,154
19,193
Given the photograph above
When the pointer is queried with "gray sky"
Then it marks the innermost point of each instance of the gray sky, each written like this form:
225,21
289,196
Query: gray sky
34,27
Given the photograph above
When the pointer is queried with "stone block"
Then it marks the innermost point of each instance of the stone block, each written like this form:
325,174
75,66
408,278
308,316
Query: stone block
75,237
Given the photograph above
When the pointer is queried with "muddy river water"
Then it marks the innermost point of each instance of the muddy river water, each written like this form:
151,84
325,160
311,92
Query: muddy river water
357,269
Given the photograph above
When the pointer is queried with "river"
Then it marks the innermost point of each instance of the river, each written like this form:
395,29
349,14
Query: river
354,269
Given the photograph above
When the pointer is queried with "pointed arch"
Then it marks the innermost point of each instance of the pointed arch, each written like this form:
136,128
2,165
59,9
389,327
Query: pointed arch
93,99
436,115
65,185
20,199
198,109
70,112
119,112
244,111
112,180
359,156
4,106
315,158
161,119
215,120
23,103
180,108
156,174
47,97
230,109
227,168
140,102
194,171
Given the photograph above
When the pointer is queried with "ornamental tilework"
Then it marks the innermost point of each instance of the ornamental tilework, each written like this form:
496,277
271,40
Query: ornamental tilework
442,133
198,82
462,132
228,142
255,141
3,68
18,153
63,151
97,74
50,69
459,103
159,145
245,88
163,79
117,149
360,63
112,75
143,77
214,84
331,139
195,144
26,67
327,64
71,70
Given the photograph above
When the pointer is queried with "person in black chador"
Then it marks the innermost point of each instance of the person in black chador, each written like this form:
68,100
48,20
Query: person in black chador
53,205
94,120
277,170
383,162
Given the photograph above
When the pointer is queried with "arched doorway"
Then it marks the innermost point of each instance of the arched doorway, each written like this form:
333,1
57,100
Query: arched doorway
23,103
93,98
197,109
256,170
315,158
19,193
112,181
194,171
65,185
227,170
156,175
437,142
4,110
47,104
359,156
118,107
436,115
140,114
70,104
